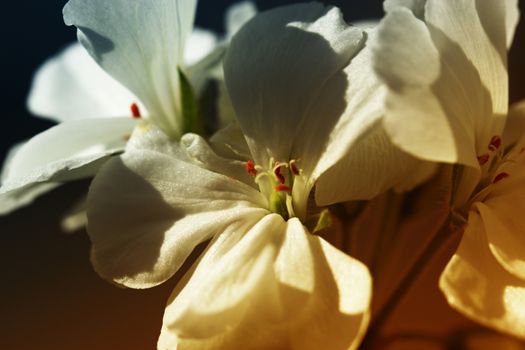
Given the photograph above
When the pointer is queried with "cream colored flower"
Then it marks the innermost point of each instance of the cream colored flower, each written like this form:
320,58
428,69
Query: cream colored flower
445,63
300,82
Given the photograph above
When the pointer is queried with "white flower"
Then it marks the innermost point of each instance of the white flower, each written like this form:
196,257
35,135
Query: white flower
445,63
301,84
93,106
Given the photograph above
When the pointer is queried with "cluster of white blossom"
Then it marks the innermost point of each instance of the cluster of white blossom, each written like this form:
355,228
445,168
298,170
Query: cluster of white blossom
313,114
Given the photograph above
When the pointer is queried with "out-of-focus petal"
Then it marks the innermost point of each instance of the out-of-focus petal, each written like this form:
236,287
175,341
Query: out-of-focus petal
72,86
71,150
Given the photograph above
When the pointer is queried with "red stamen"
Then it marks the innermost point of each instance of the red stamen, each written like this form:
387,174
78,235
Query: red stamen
283,188
278,175
495,143
483,159
250,168
135,111
499,177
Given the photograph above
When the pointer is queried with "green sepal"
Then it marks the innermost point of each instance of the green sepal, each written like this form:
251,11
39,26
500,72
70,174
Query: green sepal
191,121
319,221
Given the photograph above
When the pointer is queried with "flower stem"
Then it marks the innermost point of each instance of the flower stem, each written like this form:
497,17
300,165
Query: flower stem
371,337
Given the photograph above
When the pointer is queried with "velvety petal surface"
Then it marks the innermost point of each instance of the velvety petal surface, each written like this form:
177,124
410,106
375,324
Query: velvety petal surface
141,45
70,150
284,288
148,209
477,285
71,85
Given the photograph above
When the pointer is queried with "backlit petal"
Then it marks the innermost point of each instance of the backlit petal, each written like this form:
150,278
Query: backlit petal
141,45
475,284
284,288
72,86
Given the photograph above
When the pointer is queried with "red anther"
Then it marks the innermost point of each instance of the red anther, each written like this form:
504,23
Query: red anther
283,188
135,111
278,175
294,168
483,159
250,168
495,143
500,176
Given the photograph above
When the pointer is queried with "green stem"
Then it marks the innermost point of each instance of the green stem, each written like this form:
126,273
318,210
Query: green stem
406,283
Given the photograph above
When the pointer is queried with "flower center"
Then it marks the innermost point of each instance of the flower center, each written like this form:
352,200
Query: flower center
276,181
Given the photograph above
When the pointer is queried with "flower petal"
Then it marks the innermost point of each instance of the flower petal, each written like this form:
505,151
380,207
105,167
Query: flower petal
277,66
141,45
283,288
479,29
237,15
502,216
72,86
359,148
163,205
373,166
475,284
19,198
407,59
71,150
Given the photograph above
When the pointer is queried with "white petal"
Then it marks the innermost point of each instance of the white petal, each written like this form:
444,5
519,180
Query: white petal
276,286
276,68
13,200
200,44
372,166
502,215
416,118
148,209
359,149
70,150
18,198
72,86
512,17
475,284
474,33
237,15
141,45
416,6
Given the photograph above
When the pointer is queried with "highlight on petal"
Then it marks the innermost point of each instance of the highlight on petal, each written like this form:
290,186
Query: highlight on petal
284,288
276,68
72,86
476,284
71,150
448,93
141,45
163,205
359,149
415,119
501,213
